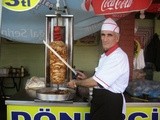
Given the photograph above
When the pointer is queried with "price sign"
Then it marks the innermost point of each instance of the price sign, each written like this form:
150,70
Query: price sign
20,5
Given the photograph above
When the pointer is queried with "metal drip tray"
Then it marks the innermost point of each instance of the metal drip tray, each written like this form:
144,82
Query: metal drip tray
52,94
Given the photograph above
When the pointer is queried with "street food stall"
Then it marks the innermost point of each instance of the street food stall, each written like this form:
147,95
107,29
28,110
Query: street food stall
54,101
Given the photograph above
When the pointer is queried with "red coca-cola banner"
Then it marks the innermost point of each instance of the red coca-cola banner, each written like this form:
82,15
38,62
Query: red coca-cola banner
105,7
87,4
154,8
117,16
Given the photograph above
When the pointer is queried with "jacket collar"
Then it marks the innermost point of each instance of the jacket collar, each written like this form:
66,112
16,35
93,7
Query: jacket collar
113,48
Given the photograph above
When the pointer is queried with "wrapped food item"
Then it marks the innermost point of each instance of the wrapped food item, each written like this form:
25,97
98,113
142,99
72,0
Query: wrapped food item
35,83
57,67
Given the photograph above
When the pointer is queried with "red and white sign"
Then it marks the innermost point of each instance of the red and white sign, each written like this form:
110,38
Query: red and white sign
117,16
87,4
154,8
106,7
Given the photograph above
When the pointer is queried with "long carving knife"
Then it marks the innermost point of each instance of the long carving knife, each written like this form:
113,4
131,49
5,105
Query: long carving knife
73,70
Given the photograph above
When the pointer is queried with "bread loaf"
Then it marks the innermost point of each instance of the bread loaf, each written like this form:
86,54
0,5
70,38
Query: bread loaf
57,67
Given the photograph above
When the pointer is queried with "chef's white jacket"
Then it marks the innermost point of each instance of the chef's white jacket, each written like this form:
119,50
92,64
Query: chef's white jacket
113,72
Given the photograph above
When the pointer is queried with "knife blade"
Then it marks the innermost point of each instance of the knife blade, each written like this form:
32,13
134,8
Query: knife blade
73,70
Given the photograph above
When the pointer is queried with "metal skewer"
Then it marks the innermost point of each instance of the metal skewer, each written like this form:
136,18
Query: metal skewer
57,86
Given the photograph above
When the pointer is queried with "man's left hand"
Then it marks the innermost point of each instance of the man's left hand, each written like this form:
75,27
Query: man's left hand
72,84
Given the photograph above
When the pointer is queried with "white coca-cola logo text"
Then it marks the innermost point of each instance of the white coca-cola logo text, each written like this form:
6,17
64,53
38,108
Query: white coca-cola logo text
115,4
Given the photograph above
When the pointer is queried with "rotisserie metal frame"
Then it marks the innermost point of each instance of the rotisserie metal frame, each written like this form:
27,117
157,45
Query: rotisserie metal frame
65,21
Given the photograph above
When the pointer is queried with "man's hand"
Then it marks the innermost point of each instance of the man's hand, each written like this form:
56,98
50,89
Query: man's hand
72,84
81,76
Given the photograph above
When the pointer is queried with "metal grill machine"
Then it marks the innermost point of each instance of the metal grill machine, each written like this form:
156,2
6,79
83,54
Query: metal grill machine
58,58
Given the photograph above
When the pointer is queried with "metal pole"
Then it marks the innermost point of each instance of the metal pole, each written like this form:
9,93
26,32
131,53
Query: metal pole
0,13
0,25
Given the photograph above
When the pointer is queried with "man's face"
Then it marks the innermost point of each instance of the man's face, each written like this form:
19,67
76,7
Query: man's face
109,39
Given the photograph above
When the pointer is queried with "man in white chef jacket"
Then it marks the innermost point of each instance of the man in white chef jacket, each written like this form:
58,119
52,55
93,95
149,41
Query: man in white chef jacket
110,79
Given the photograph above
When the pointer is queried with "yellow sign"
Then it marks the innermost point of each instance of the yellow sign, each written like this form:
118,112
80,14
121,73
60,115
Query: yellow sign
47,113
143,113
20,5
15,112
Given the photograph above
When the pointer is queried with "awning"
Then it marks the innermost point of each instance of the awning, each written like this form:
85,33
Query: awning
25,21
28,26
107,7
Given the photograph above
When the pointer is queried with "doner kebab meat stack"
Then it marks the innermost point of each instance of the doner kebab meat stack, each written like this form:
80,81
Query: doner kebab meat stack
57,68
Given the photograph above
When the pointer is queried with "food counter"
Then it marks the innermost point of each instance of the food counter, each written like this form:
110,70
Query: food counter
25,106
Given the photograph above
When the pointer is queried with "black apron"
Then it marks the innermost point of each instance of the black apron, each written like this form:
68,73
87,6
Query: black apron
106,105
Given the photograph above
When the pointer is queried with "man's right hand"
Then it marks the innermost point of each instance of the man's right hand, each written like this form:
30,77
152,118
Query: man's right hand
81,75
